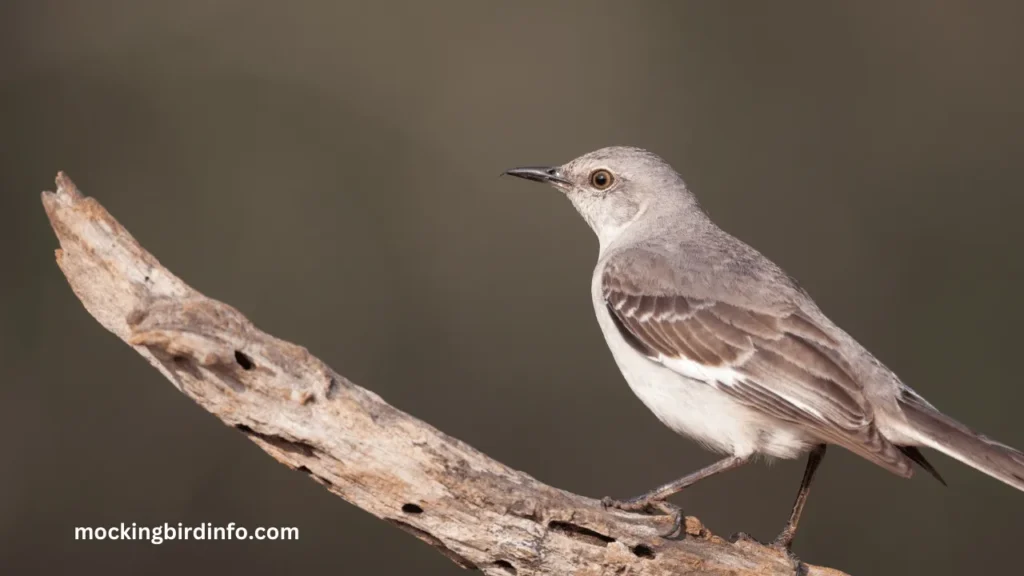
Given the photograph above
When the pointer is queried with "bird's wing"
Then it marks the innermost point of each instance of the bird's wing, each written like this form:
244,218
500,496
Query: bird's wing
774,359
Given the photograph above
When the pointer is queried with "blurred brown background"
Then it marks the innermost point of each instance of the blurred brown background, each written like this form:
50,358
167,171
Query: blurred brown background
331,169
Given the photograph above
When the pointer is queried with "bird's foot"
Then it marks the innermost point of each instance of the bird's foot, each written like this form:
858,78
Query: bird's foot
642,504
783,542
632,505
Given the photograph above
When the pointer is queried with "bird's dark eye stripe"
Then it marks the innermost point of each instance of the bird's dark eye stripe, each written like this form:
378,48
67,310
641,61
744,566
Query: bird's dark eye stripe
601,179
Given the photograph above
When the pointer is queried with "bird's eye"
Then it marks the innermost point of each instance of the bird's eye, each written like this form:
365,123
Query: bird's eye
601,179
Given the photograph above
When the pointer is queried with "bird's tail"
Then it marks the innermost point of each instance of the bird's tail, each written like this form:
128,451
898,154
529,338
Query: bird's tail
940,432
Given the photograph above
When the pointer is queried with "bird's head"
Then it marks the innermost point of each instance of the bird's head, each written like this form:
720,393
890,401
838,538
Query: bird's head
611,186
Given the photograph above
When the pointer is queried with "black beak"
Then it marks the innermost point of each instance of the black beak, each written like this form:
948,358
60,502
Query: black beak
551,175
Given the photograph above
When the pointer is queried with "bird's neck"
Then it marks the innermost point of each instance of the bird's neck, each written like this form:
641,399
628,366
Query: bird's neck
652,221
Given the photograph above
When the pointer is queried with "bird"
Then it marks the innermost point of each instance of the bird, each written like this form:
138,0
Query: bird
726,348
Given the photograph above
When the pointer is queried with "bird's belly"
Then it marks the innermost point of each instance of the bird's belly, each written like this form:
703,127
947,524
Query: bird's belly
697,410
689,407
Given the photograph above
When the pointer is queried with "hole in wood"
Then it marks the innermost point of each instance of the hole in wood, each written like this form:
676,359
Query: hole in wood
411,509
244,361
643,551
506,566
580,533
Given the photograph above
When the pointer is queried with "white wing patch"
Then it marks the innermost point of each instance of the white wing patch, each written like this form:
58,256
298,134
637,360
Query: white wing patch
717,376
713,375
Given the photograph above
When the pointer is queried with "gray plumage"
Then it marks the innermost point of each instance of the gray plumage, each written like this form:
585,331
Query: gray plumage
725,347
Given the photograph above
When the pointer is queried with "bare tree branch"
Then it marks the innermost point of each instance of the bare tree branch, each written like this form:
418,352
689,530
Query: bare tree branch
479,512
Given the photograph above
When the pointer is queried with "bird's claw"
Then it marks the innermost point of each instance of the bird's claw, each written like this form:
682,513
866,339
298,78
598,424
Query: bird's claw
631,505
785,548
645,505
782,544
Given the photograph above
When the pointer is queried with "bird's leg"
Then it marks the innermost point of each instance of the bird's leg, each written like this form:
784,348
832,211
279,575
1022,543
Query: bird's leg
785,538
655,499
664,491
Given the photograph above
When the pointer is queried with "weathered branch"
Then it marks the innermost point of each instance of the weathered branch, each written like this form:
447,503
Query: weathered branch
479,512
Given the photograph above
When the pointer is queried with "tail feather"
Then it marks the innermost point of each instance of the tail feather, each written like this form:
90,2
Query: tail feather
940,432
914,454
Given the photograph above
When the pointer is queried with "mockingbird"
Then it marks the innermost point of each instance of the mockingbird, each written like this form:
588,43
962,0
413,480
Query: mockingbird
726,348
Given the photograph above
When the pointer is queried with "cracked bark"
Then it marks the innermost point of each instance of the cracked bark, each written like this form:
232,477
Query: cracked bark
475,510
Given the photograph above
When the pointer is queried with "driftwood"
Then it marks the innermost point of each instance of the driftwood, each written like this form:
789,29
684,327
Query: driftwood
478,512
